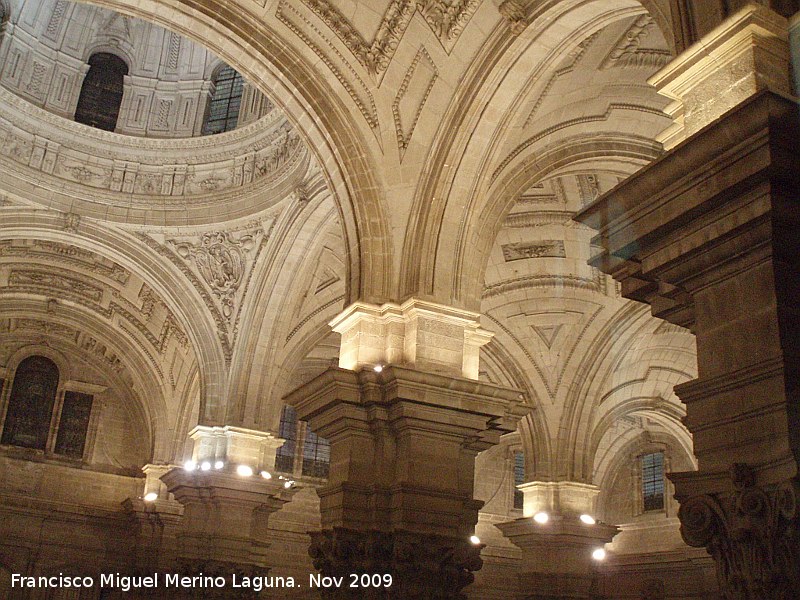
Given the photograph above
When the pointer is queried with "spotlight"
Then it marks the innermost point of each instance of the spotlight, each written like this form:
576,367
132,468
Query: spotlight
599,554
218,465
588,519
475,540
541,518
266,474
244,471
205,466
150,497
190,465
288,483
377,368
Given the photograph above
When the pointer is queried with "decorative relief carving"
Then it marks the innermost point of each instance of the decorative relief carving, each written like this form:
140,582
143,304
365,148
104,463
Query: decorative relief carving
208,298
59,253
589,186
628,52
753,535
71,222
543,249
350,80
174,50
411,97
514,13
447,19
56,17
423,566
220,258
376,55
25,278
266,150
37,77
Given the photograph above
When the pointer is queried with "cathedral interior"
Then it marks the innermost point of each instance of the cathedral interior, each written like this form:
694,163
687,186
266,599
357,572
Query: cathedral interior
496,298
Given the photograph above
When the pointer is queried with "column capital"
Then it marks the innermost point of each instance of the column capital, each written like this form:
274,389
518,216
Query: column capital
233,446
559,498
418,334
747,53
225,514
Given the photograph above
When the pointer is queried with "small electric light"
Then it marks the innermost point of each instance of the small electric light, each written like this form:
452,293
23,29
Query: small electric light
474,539
541,518
150,497
205,466
266,474
218,465
377,368
588,519
244,471
287,484
599,554
190,465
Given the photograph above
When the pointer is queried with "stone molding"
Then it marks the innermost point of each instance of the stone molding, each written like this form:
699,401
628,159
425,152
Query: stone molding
384,427
747,53
266,151
419,334
234,446
225,515
559,497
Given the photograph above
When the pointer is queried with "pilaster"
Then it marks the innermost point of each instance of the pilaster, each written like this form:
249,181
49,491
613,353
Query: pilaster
558,536
707,235
747,53
400,493
417,334
227,497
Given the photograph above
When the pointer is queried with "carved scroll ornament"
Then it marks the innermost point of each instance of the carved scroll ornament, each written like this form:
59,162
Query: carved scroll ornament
753,536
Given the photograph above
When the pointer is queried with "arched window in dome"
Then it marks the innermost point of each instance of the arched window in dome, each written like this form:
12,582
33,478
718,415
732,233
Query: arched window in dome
223,108
101,93
30,408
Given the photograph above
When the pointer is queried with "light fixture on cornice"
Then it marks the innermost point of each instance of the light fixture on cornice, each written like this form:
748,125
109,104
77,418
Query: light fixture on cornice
244,471
541,518
150,497
588,519
190,465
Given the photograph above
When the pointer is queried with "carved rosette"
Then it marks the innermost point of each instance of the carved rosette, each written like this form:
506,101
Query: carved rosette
422,566
753,536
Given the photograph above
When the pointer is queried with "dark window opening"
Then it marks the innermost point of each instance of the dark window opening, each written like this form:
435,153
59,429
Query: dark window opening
284,460
101,93
223,108
73,424
653,481
30,407
316,455
519,478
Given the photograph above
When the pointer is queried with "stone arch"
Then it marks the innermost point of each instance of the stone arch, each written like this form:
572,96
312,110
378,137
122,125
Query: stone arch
453,202
165,279
247,43
601,372
149,405
298,234
535,436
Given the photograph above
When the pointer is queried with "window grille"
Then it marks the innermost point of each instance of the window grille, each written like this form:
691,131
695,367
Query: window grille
519,478
223,108
653,481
